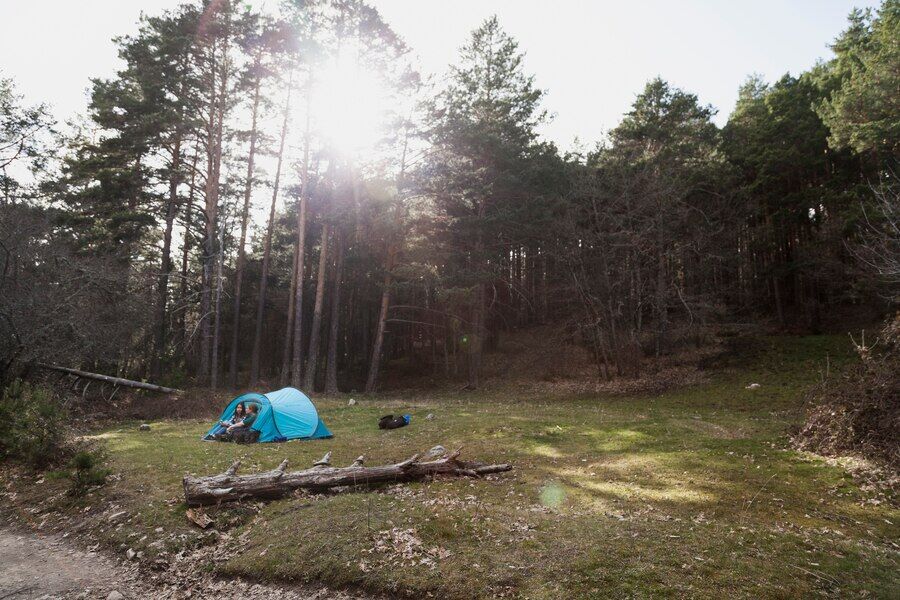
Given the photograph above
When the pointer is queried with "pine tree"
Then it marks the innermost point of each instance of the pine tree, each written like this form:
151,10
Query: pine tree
862,112
216,71
24,143
668,143
263,280
264,41
484,139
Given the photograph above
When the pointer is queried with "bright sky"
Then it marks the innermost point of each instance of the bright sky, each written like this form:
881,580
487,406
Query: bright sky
591,56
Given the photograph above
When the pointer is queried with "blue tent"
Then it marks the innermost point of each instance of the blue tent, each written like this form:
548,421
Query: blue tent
287,414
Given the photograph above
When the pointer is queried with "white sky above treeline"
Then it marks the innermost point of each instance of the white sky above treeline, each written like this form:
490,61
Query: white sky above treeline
592,56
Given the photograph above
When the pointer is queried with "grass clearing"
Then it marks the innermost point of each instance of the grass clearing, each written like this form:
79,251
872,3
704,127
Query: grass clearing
691,493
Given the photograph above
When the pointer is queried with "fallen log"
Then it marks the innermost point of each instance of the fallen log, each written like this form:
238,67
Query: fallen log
109,379
269,485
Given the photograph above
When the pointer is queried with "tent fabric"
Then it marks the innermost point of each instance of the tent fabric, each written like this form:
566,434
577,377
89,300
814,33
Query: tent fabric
286,414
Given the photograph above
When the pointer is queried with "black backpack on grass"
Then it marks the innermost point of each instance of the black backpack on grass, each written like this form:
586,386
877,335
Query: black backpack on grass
392,422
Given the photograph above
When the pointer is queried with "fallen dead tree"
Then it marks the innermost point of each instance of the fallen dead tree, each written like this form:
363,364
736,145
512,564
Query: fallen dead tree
199,491
116,381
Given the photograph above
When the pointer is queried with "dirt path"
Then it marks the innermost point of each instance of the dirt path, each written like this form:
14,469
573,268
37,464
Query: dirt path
47,566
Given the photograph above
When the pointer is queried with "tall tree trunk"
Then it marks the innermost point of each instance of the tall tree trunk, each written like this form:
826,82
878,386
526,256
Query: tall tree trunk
661,293
267,250
220,127
431,328
544,285
312,357
476,341
390,259
215,130
241,257
210,213
183,286
185,258
162,286
289,331
774,266
220,260
297,351
779,307
375,361
331,386
661,312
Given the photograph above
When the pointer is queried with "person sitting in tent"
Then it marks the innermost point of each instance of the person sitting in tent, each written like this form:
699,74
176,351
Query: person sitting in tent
241,431
240,411
285,414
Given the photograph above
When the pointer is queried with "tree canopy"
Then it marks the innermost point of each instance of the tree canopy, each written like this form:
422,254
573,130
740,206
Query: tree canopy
281,196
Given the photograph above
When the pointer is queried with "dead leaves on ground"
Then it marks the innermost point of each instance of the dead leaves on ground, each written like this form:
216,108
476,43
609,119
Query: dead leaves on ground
403,548
198,518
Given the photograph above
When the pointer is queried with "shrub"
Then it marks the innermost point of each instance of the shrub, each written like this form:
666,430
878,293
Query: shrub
85,472
859,411
32,425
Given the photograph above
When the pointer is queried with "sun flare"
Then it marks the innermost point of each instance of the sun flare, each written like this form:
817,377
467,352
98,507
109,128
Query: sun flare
350,104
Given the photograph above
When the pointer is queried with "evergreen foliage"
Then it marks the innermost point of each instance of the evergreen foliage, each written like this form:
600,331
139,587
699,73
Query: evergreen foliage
459,224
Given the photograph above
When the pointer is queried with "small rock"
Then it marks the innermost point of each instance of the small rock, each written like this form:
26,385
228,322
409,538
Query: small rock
144,427
753,386
351,402
115,595
115,516
437,451
430,416
130,554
